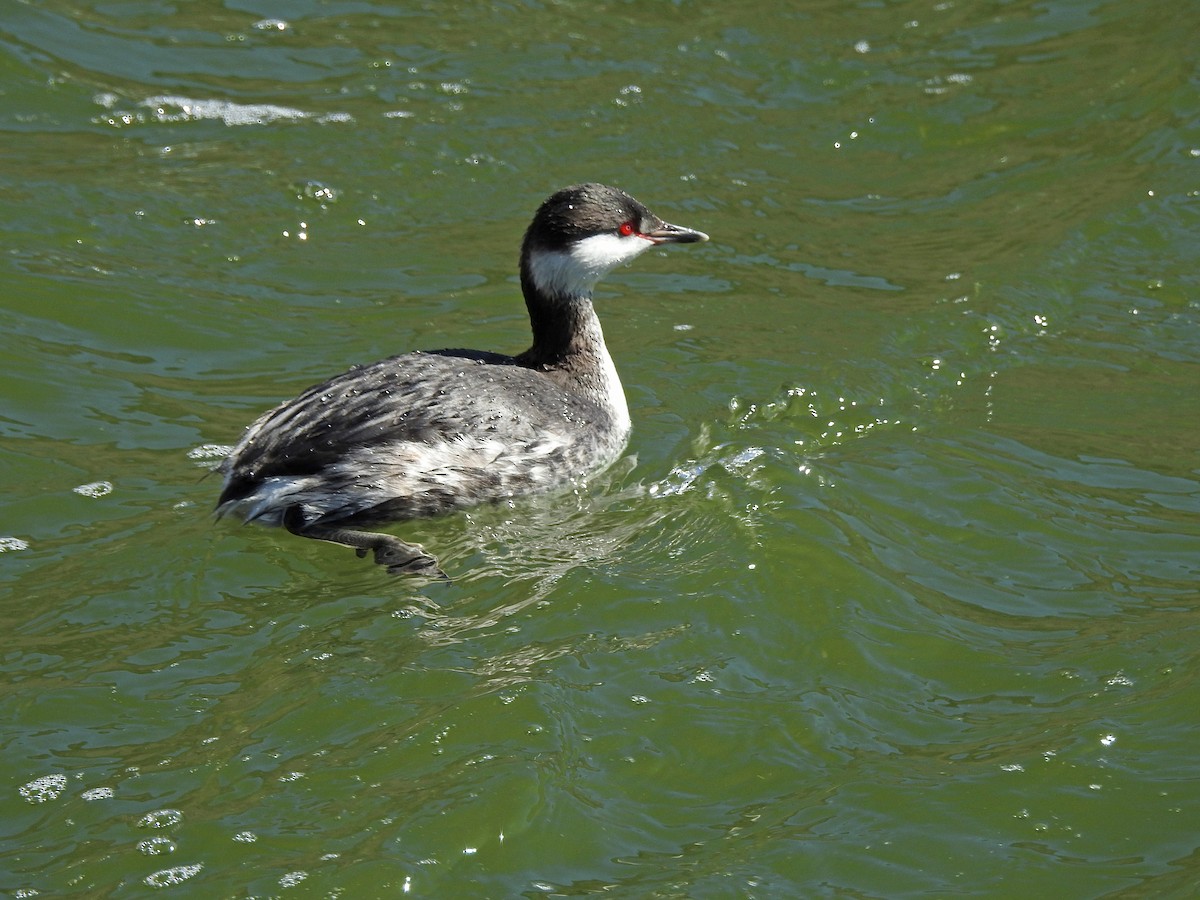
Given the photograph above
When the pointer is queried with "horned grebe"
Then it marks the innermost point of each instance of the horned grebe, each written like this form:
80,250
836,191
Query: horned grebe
430,432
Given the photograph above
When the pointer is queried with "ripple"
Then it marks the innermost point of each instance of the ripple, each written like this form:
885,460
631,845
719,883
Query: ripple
156,846
171,108
173,876
160,818
48,787
94,489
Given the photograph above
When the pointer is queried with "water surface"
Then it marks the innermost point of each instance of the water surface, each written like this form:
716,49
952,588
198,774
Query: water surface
895,594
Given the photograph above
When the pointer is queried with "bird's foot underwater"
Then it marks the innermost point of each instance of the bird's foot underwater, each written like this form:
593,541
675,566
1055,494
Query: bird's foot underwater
398,557
403,559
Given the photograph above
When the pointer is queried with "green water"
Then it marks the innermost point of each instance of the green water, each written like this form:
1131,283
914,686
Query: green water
897,594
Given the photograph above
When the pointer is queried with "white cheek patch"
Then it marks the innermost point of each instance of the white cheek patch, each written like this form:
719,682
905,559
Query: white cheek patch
603,252
576,271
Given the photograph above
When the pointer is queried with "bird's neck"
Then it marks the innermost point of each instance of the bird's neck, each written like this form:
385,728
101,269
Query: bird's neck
568,344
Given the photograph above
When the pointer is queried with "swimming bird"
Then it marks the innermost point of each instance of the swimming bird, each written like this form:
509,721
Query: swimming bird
434,431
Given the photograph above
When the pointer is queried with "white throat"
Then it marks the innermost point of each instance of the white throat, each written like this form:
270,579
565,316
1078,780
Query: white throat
614,393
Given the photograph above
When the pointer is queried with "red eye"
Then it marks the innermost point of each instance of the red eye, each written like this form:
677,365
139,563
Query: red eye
626,229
